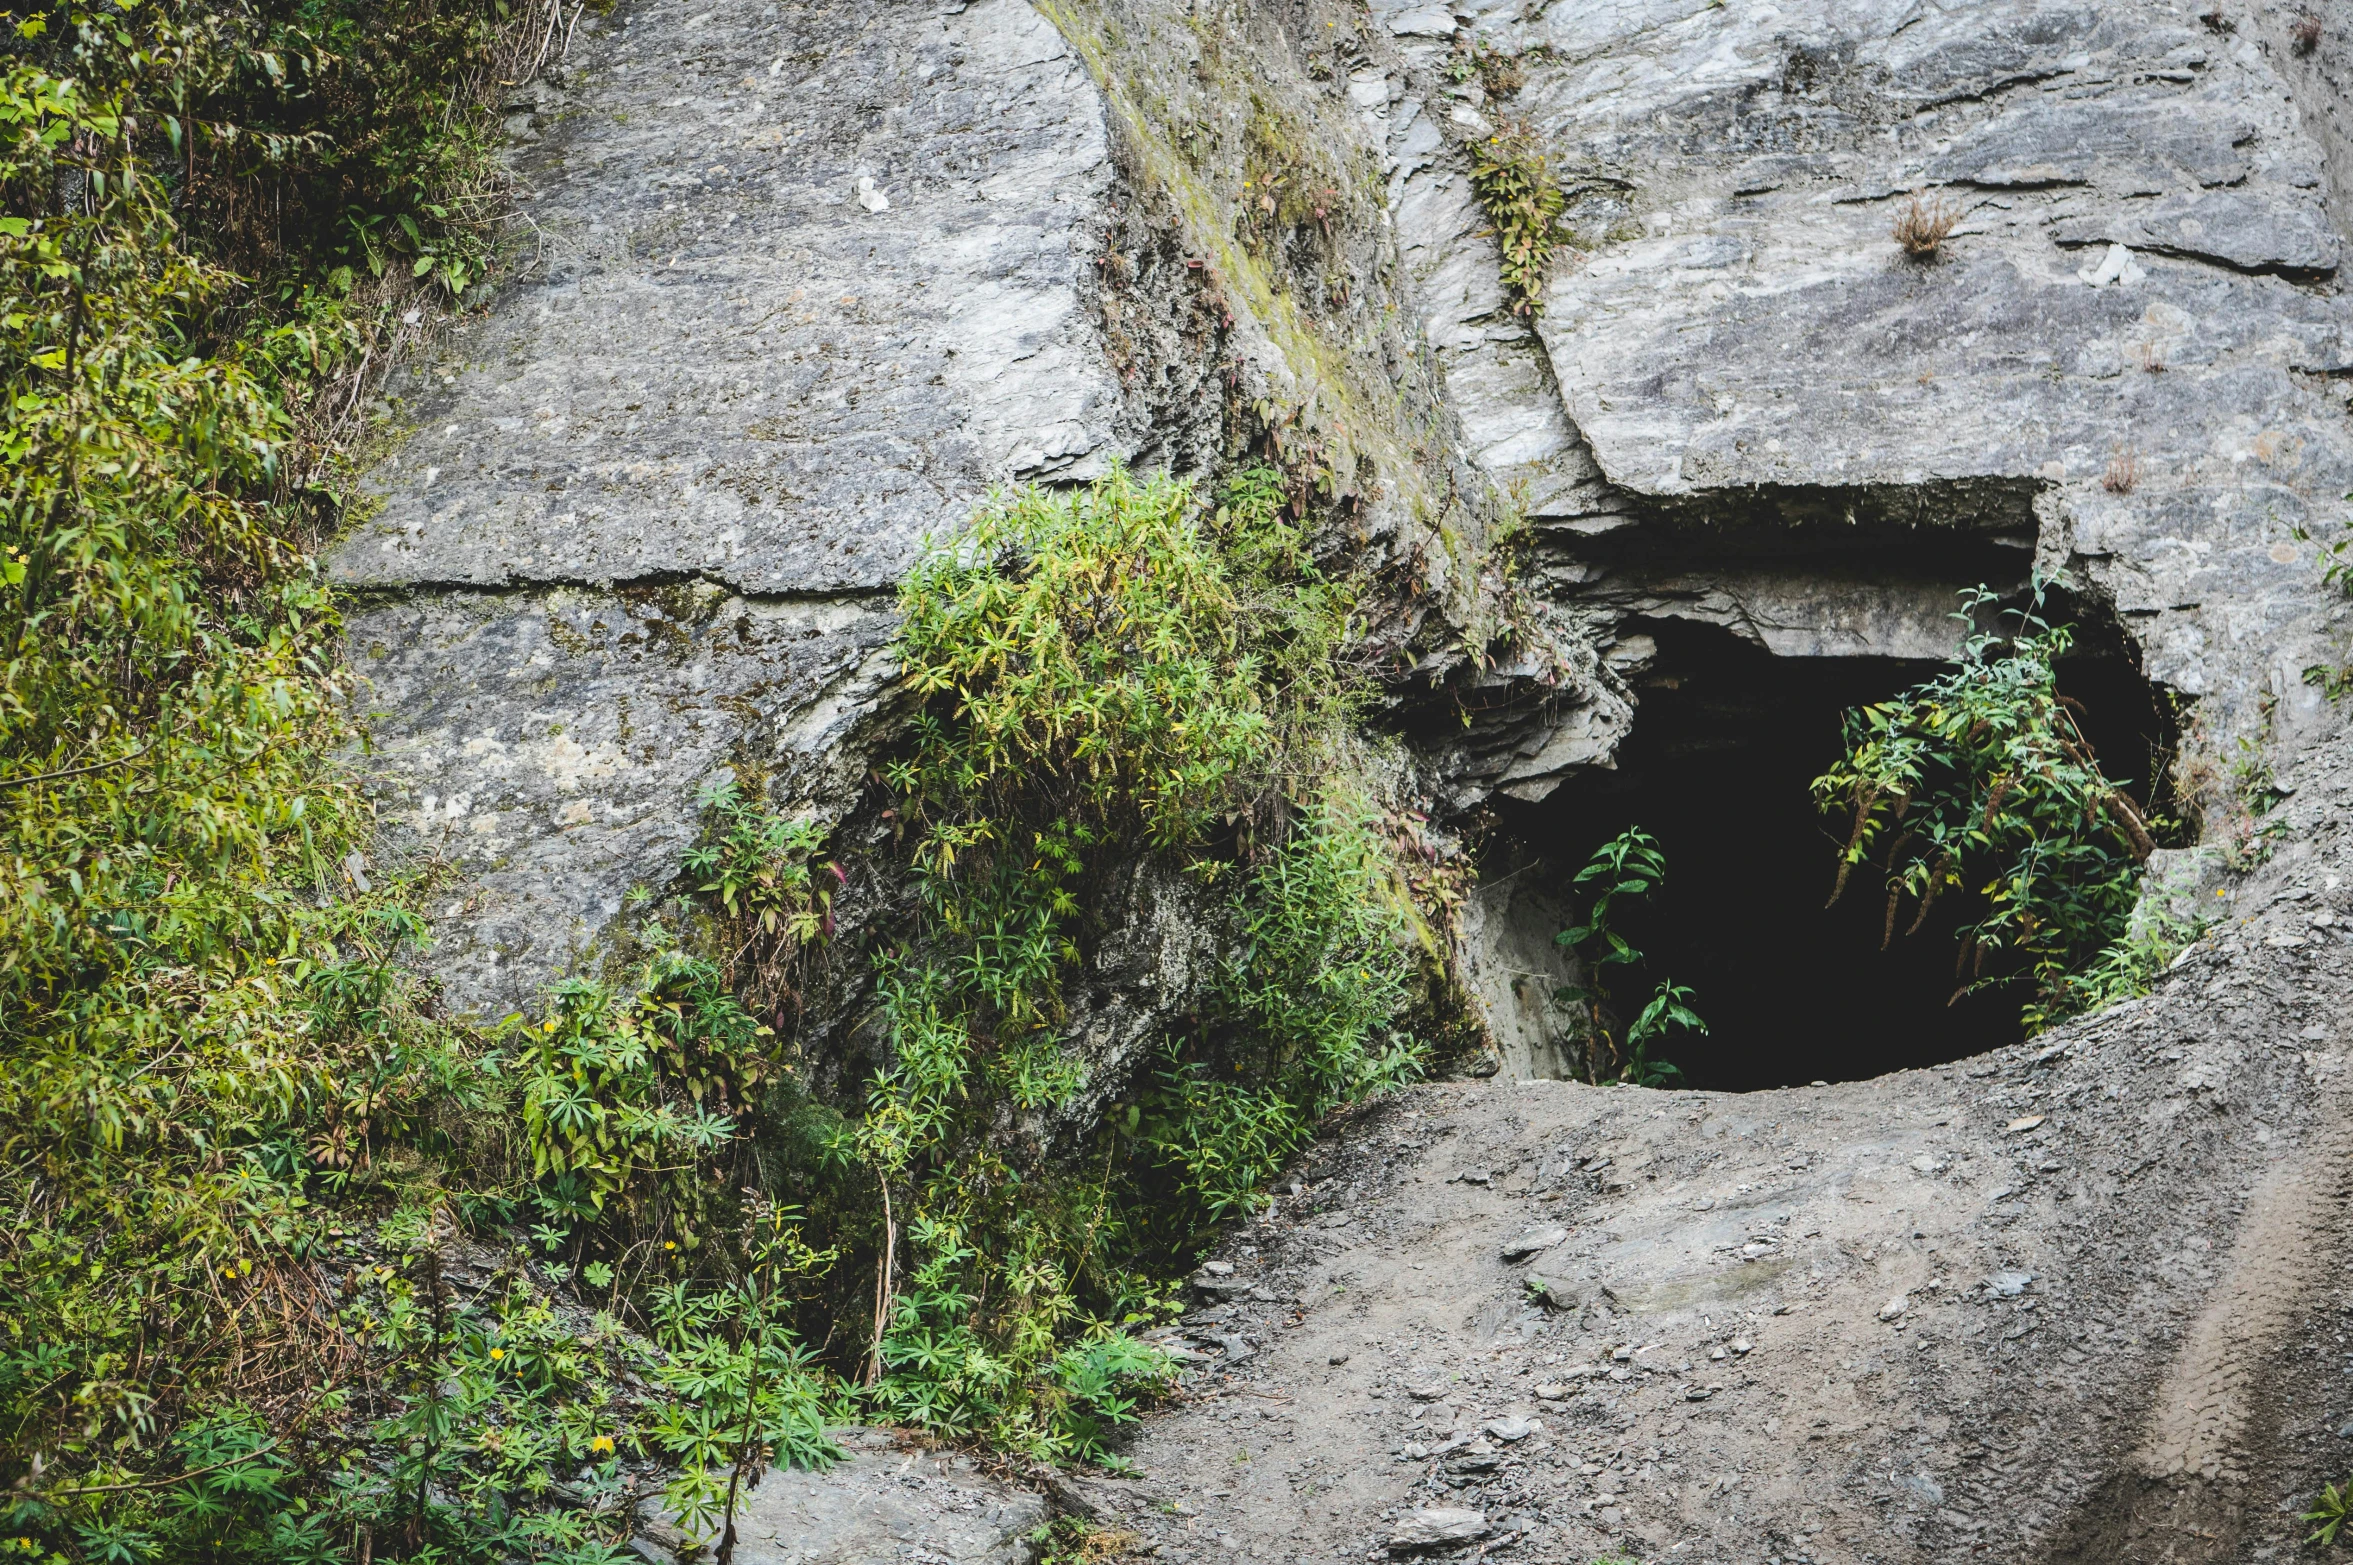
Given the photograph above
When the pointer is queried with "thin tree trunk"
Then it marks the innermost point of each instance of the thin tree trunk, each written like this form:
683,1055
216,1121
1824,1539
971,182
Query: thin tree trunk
882,1286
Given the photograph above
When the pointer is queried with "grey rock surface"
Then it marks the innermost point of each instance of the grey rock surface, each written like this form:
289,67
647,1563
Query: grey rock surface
1514,970
1864,1322
1438,1527
807,284
882,1506
814,278
547,746
726,364
802,285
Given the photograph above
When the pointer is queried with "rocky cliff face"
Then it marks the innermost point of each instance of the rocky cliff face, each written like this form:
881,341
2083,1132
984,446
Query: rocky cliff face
808,280
1740,339
805,286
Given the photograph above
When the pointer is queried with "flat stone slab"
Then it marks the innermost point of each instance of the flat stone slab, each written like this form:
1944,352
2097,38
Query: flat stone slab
809,287
882,1506
548,746
1438,1527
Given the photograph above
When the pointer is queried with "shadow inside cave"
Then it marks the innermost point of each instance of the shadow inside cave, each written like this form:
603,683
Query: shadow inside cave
1726,740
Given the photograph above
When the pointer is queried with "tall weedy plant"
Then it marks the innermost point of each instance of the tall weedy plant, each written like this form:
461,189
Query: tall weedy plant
1980,783
1121,681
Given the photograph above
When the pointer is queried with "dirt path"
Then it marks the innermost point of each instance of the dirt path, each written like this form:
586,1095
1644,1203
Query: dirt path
2074,1301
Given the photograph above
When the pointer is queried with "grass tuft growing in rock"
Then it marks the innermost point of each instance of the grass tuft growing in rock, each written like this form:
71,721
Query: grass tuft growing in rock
2123,472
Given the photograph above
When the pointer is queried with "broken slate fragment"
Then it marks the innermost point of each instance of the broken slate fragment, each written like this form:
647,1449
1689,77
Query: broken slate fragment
2022,1124
1440,1527
2117,266
1894,1308
1216,1280
1511,1430
1533,1241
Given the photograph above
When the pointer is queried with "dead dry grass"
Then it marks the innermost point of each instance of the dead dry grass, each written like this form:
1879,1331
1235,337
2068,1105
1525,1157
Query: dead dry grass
1924,224
2124,470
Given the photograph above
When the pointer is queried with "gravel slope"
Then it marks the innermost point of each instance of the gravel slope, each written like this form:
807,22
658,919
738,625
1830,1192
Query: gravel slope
2079,1300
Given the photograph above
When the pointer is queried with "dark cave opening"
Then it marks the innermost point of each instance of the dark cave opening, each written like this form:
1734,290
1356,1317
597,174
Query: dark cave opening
1726,739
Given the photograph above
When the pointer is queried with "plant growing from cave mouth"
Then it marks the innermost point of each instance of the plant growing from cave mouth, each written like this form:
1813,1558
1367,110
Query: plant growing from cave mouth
1981,782
1628,867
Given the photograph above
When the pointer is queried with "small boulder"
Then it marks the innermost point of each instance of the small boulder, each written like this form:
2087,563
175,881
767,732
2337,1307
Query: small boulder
1551,1292
1533,1242
1438,1527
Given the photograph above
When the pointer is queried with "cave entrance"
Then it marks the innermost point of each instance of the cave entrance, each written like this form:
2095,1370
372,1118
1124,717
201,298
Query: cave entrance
1726,739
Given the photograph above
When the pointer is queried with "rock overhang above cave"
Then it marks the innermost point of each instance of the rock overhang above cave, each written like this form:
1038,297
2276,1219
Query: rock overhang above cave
1743,317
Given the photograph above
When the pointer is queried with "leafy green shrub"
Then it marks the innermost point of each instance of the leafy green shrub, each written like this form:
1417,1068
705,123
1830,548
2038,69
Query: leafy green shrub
207,1026
760,865
1116,676
2330,1511
1628,867
1511,174
618,1095
1980,782
744,1391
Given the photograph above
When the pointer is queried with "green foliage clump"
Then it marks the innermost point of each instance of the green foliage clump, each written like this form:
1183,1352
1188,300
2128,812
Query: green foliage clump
1070,1540
1628,868
208,1034
1117,679
763,868
1980,782
218,1068
2330,1511
2336,558
1501,73
621,1092
743,1390
1511,174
